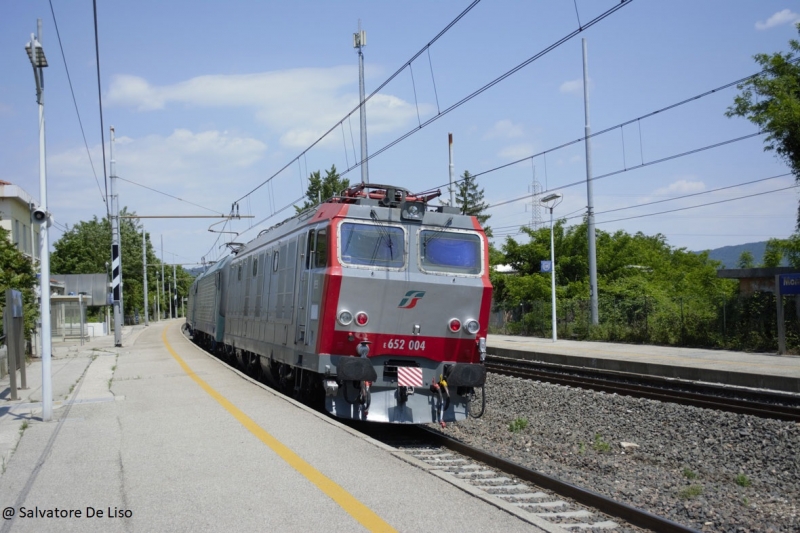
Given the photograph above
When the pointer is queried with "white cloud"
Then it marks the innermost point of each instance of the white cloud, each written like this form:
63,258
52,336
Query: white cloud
680,187
572,86
516,151
298,104
781,17
199,167
504,129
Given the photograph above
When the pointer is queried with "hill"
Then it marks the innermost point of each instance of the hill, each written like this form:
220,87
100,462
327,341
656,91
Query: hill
729,255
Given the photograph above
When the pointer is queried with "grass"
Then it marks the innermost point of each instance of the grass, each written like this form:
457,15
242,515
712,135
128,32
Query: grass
518,425
692,491
23,427
742,480
688,474
600,445
582,448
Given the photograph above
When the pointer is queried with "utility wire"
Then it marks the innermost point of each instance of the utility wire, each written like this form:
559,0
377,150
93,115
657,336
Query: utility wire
75,102
100,101
169,195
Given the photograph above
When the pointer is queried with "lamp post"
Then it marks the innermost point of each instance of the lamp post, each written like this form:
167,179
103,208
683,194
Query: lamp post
40,215
550,201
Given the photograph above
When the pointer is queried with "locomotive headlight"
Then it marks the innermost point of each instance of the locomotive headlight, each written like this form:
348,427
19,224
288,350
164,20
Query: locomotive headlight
454,325
362,318
472,327
413,210
345,318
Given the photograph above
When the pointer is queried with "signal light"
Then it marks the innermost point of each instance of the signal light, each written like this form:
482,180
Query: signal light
472,327
454,325
362,318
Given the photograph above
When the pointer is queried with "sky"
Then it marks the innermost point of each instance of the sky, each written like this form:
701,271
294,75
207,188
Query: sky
210,99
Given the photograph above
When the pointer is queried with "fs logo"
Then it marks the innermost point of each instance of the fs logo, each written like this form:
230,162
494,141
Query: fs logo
410,299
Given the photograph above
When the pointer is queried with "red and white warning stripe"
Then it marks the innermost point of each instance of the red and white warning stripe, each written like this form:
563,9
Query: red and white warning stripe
409,376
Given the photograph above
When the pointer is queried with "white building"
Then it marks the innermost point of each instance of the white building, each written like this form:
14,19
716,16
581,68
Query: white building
15,217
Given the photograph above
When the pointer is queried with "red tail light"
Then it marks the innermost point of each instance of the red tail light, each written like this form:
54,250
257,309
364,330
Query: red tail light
362,318
455,325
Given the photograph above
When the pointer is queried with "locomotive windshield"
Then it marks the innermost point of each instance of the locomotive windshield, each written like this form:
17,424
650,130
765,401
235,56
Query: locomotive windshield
446,251
372,245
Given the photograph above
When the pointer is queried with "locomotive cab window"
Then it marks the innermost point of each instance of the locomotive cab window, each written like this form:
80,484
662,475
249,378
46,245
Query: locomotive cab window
450,252
375,245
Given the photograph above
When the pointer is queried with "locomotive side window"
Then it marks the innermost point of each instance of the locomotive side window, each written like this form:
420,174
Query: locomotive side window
275,261
321,257
255,266
372,245
447,251
309,248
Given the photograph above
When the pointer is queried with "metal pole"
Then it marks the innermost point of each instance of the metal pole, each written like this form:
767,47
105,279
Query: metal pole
116,260
359,41
44,253
553,275
144,272
158,299
163,289
589,195
452,169
80,312
175,290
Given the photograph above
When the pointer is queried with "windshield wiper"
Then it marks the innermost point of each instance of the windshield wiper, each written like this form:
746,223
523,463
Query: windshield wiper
384,234
436,234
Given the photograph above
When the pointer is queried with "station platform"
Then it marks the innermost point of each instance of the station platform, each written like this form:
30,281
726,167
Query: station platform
752,370
160,436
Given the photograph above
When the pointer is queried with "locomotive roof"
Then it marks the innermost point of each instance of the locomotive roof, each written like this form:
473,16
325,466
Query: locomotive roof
368,202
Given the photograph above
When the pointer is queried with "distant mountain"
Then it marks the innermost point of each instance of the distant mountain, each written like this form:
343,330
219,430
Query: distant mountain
729,255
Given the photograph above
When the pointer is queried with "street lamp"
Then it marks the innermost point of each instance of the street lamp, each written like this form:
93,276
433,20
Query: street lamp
550,201
38,62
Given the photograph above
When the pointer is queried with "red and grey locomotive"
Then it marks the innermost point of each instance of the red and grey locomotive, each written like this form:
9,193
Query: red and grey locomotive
374,299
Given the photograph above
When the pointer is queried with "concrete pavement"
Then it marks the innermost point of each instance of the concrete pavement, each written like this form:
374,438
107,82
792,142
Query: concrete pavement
159,436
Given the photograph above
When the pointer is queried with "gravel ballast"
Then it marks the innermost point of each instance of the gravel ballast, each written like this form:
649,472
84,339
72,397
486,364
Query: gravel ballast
706,469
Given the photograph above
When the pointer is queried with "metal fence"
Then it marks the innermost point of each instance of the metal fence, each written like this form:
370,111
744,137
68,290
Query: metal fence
743,323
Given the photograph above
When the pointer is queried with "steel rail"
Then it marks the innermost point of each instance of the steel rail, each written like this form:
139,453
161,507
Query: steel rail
523,369
586,497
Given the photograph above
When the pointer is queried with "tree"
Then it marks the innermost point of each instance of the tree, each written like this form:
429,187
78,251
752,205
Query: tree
470,200
773,253
86,248
746,260
320,189
771,100
16,272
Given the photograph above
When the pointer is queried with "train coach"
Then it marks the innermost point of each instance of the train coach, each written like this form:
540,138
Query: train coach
373,300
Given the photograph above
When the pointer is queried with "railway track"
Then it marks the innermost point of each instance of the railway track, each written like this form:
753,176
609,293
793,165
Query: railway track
764,404
533,496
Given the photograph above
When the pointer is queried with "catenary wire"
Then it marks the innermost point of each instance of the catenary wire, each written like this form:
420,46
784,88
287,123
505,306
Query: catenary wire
671,199
373,93
649,163
681,208
494,82
100,103
75,102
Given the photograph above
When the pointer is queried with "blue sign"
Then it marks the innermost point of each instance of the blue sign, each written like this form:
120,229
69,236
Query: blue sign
790,283
546,266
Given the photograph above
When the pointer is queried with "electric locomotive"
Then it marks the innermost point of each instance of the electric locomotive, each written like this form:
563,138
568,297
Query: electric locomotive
373,300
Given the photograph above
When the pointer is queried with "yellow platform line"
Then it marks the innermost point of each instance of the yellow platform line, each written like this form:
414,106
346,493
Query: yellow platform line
346,501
